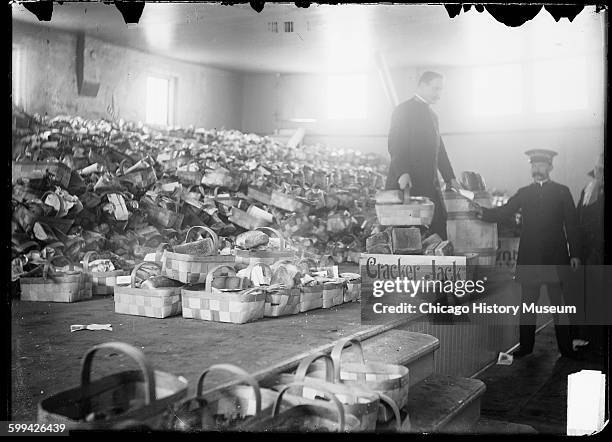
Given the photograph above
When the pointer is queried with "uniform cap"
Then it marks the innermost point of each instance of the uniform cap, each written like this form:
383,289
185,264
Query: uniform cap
540,155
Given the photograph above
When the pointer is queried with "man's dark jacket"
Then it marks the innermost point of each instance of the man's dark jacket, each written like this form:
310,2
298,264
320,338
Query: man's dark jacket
549,226
416,148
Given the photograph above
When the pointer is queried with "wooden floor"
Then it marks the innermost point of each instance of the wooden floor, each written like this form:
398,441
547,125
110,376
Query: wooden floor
533,390
46,356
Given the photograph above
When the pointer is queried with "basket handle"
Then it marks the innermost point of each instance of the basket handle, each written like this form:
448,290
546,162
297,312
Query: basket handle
138,266
275,232
253,289
243,377
49,268
210,275
208,230
128,350
305,364
336,355
309,260
160,249
341,417
61,202
263,267
326,259
91,255
396,412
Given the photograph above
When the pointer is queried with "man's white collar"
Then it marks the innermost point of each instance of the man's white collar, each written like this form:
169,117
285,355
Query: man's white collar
421,98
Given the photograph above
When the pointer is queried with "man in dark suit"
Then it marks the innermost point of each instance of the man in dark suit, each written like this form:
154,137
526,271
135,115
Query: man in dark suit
417,150
549,226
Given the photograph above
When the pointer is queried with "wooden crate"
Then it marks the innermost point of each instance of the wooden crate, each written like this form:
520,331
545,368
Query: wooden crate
405,214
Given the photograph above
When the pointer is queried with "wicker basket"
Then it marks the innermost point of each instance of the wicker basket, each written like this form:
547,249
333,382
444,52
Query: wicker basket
222,409
244,220
38,169
211,304
418,213
189,177
142,395
311,297
269,257
103,283
56,286
288,203
259,195
361,403
352,287
333,294
152,303
142,178
163,217
281,301
305,417
388,379
191,269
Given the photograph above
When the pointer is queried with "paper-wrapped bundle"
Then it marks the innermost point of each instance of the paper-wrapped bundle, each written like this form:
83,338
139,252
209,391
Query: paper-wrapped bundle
252,239
202,247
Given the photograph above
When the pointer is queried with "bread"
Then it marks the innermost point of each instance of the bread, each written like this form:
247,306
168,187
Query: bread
252,239
156,282
286,274
202,247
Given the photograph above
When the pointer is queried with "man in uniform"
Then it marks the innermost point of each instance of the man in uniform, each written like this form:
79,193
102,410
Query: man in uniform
549,226
417,150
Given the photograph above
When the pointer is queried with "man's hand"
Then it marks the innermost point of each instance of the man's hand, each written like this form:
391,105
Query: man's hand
404,181
477,209
454,184
575,263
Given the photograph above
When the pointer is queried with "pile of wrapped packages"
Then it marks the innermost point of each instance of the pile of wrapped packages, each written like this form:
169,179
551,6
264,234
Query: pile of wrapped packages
126,191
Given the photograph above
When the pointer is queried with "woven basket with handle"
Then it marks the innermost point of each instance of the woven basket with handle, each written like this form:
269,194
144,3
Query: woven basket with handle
388,379
352,286
311,297
222,409
38,169
153,303
192,269
103,283
311,416
210,304
54,285
269,257
125,398
356,400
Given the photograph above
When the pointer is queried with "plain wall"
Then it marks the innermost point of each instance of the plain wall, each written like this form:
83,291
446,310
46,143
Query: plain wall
204,97
493,147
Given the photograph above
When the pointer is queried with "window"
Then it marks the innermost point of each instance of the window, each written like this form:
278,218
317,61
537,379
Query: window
17,76
498,90
158,109
346,97
560,85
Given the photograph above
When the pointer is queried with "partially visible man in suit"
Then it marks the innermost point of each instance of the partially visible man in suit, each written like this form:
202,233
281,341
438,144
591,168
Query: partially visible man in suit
417,150
550,242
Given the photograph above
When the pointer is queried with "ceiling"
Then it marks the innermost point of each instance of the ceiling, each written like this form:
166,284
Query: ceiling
325,38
